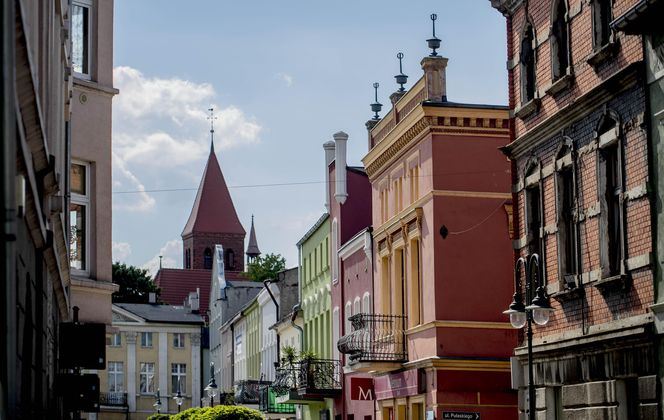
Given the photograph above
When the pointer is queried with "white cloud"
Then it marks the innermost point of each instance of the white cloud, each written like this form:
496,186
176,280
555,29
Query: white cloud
286,78
125,180
121,250
171,254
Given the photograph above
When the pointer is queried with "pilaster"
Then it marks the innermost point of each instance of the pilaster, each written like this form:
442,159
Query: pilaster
163,363
131,370
195,369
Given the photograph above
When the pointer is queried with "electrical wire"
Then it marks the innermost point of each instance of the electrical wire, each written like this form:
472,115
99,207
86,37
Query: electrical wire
475,226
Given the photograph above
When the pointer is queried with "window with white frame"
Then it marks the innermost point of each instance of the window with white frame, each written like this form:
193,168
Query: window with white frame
357,305
81,36
178,377
146,339
178,340
348,313
116,340
366,302
147,378
115,376
79,210
335,256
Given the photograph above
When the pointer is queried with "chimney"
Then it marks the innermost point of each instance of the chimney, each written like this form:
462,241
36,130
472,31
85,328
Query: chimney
340,140
329,157
434,78
194,301
152,297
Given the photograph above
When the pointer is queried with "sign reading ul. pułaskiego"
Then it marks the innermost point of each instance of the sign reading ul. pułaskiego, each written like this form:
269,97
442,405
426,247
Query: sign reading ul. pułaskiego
461,415
361,389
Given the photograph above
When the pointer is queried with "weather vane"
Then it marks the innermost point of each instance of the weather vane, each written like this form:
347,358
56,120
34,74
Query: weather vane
211,118
401,78
434,43
376,106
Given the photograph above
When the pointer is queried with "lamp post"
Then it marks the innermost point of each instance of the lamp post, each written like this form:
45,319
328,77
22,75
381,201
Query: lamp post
538,311
211,389
178,397
157,404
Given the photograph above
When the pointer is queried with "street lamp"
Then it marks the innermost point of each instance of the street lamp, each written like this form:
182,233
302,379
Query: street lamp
521,315
178,397
157,404
211,389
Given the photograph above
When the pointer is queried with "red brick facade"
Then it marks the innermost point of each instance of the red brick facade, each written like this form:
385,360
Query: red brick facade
594,304
197,243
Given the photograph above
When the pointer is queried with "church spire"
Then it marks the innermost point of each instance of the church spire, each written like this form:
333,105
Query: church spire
252,248
211,118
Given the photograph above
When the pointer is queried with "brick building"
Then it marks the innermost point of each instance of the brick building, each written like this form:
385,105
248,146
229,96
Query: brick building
579,151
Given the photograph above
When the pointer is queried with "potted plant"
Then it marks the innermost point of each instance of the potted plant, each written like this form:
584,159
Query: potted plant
289,354
307,361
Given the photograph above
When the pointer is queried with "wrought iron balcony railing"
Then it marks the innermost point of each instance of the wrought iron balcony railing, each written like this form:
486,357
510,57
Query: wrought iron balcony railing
248,391
375,338
321,377
268,404
113,399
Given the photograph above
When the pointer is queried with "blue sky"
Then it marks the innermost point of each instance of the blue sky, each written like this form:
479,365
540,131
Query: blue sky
284,76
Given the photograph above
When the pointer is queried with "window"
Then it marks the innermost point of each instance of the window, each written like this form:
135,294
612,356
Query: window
415,287
347,314
115,377
357,305
414,184
116,340
559,40
527,65
366,303
178,377
178,340
335,255
78,216
385,289
187,258
238,344
611,188
533,209
335,332
147,378
80,36
146,339
230,259
566,214
207,259
601,17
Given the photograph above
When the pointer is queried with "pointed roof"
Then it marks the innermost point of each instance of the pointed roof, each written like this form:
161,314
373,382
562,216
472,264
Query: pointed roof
252,248
213,210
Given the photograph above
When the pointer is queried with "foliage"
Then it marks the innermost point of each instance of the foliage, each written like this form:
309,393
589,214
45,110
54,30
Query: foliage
289,353
135,284
265,267
219,412
159,417
308,355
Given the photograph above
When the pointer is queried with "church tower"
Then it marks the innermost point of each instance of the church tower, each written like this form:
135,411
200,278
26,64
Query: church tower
213,220
252,247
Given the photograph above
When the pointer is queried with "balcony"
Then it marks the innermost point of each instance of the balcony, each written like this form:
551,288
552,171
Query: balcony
248,391
113,399
301,382
268,402
377,343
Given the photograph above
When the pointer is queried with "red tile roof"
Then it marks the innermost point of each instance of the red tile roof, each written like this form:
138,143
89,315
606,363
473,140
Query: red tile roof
176,283
213,210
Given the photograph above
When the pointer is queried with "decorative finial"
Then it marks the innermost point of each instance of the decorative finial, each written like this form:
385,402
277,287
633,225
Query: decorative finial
401,78
376,106
211,118
433,43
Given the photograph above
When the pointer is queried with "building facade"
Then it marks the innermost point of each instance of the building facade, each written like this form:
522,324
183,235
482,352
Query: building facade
154,349
435,344
580,152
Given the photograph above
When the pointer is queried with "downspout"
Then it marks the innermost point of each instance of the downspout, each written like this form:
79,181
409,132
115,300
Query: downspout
266,283
296,309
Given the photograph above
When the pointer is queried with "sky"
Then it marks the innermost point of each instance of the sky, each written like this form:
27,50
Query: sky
283,76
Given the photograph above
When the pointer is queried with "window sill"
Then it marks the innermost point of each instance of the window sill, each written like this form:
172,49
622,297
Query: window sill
618,280
567,291
603,54
528,108
563,83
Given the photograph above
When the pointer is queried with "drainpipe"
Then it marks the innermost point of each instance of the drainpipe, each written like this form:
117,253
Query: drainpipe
296,309
266,283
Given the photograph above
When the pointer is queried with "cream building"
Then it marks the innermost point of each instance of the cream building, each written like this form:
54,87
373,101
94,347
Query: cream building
155,348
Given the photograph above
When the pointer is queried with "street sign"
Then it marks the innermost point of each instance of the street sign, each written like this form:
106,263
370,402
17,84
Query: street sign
461,415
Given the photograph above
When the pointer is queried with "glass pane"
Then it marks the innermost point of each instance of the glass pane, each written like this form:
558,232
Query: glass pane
77,236
78,181
79,38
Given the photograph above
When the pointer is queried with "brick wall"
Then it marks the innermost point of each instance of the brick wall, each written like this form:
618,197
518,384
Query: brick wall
200,241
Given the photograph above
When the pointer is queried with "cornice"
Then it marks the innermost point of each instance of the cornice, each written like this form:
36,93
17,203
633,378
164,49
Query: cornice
506,7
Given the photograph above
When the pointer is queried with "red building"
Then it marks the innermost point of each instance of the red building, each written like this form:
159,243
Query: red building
581,185
435,339
349,204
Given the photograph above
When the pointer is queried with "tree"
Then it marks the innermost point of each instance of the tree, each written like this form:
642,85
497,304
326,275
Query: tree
265,267
135,284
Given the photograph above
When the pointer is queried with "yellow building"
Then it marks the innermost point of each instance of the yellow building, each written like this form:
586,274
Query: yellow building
155,348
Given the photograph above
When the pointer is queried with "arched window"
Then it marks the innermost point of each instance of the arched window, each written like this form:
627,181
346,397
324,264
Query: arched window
230,259
527,60
207,259
559,40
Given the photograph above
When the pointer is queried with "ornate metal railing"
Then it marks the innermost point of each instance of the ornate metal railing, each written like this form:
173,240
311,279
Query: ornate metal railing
267,402
248,391
319,376
375,338
113,399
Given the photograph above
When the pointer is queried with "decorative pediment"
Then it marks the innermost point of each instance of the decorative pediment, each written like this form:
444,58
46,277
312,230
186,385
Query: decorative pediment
120,315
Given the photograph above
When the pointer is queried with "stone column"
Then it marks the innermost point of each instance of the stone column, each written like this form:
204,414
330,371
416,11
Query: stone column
131,371
196,369
163,366
434,77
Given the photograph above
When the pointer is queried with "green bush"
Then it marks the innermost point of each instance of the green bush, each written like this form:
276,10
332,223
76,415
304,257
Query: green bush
219,412
159,417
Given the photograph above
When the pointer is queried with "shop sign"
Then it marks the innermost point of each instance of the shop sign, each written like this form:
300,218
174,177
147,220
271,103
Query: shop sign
361,389
402,384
